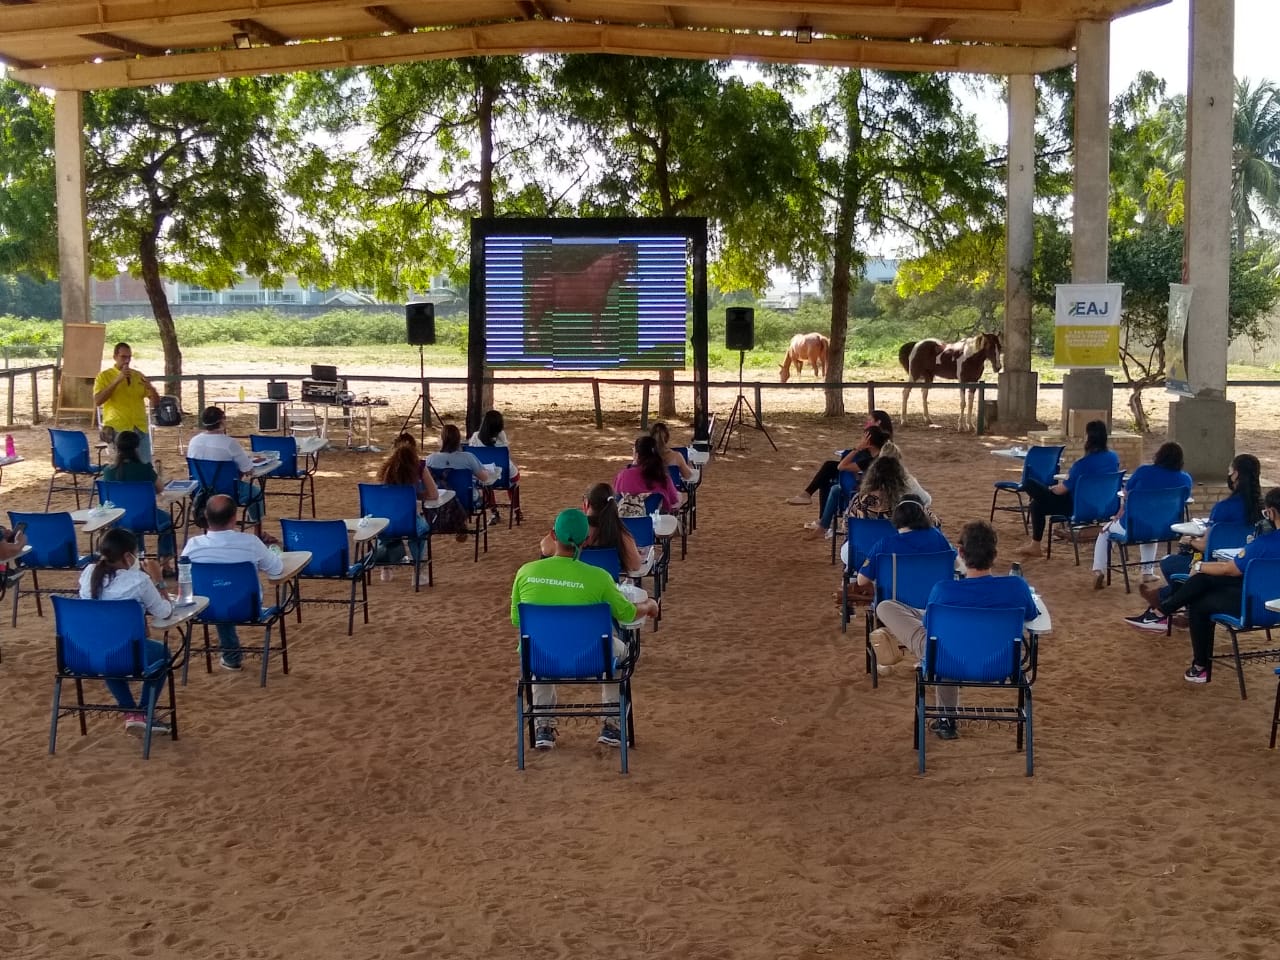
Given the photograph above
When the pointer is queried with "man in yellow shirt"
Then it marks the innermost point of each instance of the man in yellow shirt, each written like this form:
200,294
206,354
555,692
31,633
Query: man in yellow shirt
122,393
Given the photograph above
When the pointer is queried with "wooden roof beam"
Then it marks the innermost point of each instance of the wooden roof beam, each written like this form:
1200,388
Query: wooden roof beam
670,13
550,36
938,30
260,32
389,19
124,45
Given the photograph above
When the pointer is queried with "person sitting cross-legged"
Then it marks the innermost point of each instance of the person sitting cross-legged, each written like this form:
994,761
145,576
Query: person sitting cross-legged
977,550
564,580
1215,587
225,544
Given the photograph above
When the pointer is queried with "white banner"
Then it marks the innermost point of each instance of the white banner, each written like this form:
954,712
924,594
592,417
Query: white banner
1175,354
1086,325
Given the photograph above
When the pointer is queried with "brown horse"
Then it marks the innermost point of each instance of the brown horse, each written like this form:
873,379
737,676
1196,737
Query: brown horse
965,360
585,290
806,346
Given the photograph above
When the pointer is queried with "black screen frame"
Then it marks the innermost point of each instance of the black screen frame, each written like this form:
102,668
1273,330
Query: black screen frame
694,229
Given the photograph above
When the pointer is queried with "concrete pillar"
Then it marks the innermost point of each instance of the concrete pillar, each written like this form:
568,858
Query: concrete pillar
1018,383
1205,424
73,229
1090,389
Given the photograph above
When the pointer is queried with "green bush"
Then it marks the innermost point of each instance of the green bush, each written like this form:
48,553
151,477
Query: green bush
23,337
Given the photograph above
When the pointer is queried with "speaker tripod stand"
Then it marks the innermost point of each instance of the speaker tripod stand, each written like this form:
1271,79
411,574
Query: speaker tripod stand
424,398
737,416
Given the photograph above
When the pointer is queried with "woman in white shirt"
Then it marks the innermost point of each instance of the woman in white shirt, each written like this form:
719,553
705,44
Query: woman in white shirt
492,433
119,575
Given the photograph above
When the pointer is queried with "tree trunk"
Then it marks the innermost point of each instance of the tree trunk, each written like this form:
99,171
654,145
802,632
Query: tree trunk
666,378
842,244
150,259
484,120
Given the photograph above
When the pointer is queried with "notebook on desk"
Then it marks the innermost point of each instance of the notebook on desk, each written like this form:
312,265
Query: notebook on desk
182,486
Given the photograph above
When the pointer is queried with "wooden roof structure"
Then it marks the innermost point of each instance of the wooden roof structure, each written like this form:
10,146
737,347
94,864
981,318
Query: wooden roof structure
94,44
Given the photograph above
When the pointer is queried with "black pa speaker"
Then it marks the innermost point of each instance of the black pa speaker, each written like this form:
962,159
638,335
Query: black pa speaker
739,328
421,323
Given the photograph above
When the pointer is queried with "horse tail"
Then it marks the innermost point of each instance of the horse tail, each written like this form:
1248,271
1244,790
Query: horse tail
904,355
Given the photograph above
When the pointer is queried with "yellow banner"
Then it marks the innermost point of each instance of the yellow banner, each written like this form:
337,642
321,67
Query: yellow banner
1080,346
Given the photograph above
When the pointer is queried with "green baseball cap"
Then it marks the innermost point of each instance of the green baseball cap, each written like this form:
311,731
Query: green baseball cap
572,528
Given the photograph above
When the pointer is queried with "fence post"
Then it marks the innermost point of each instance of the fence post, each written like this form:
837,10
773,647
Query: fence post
980,426
10,420
871,397
759,414
644,406
426,407
595,393
200,394
35,400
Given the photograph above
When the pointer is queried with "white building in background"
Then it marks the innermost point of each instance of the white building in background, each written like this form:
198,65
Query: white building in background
779,296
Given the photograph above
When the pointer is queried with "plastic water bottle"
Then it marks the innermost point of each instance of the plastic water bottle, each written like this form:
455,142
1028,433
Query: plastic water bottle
1015,570
9,449
366,520
185,595
242,393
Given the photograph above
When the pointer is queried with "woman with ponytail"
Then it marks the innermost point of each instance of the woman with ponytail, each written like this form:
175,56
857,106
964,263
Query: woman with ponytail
606,528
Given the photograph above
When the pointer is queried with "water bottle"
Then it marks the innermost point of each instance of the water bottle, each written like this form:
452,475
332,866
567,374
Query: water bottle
184,581
242,394
9,449
1015,570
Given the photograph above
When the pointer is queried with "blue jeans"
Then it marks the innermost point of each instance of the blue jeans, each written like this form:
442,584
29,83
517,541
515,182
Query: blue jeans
154,654
415,546
250,494
167,545
228,642
830,507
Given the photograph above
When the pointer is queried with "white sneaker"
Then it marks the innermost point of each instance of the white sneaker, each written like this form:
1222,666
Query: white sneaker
830,533
800,500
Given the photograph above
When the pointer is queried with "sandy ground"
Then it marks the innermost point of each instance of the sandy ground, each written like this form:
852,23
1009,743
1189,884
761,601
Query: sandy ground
367,805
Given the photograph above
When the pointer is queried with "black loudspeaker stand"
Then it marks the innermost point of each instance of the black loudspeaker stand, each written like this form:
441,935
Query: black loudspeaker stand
424,398
737,416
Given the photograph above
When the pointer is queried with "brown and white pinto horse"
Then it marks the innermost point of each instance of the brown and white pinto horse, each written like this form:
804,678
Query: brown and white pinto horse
806,346
965,361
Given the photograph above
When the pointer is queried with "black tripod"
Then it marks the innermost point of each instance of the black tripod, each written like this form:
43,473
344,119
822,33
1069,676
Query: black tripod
737,417
424,397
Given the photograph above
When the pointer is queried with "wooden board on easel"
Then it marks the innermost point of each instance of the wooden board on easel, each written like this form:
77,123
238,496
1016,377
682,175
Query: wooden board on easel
82,346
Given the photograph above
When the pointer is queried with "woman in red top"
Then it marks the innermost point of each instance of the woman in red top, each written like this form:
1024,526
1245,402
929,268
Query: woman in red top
648,474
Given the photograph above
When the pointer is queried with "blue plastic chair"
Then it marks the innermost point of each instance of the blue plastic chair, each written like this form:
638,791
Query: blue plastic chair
500,457
642,532
606,558
571,645
330,560
137,498
69,450
863,533
52,537
688,510
973,647
1261,583
1148,517
399,504
470,497
1275,715
287,448
1041,465
908,578
1096,500
104,640
235,597
221,476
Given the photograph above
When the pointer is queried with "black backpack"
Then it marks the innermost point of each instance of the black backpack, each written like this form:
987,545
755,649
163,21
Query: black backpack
167,412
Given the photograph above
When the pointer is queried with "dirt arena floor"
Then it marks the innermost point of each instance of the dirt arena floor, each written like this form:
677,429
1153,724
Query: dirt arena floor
367,805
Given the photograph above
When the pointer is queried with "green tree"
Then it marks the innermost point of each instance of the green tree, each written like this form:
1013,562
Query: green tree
687,138
902,157
1146,262
28,228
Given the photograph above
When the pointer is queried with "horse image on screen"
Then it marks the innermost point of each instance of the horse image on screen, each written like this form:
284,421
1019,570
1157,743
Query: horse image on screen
585,302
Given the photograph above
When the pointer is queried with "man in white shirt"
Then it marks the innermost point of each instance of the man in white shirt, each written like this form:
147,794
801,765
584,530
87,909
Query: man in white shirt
214,444
225,544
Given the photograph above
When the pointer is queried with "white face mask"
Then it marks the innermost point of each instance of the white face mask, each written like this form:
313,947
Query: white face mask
137,564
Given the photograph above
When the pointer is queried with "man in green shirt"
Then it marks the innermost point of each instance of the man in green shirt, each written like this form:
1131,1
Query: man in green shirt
564,580
122,393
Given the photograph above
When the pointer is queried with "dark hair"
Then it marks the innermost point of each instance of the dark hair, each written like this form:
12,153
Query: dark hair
911,513
1169,456
660,434
602,516
402,467
1272,500
887,478
1095,436
876,437
211,417
978,544
650,462
127,443
450,438
882,420
490,426
406,439
220,511
121,345
115,544
1249,485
